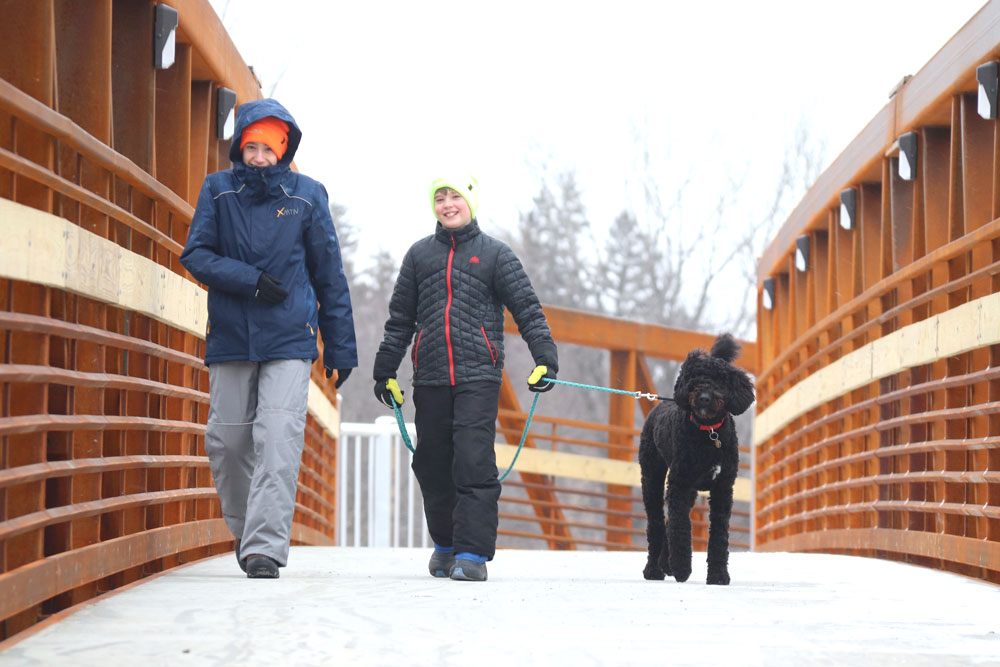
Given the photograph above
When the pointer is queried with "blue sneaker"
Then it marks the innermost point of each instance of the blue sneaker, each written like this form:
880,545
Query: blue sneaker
469,567
441,561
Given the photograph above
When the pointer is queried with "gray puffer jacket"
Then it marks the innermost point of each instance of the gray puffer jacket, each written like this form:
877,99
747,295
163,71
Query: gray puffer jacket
449,301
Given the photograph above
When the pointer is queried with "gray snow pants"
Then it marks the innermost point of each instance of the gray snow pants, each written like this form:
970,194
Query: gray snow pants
254,440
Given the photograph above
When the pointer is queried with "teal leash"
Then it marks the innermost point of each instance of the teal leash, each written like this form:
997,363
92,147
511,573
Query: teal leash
409,445
402,426
633,394
531,414
524,435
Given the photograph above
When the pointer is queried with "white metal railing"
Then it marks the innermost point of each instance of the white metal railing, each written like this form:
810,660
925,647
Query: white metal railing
378,499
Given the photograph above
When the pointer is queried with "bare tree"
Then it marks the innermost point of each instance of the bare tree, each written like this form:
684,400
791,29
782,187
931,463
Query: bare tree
802,164
371,290
698,257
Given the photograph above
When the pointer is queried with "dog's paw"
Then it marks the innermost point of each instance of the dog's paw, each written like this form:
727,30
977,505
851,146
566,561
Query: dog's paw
680,567
653,573
718,577
664,564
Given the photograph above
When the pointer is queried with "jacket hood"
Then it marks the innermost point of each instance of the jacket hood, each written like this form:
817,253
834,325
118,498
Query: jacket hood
250,112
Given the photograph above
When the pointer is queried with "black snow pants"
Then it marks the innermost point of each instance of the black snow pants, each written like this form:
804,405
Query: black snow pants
455,464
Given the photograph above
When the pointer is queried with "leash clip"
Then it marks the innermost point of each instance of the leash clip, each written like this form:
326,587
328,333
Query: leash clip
648,396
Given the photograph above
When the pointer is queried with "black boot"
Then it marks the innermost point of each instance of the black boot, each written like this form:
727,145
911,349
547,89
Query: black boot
261,567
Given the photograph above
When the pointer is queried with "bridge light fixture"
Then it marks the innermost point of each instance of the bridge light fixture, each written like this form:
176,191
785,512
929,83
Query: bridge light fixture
767,294
802,253
848,208
907,156
988,77
164,36
225,117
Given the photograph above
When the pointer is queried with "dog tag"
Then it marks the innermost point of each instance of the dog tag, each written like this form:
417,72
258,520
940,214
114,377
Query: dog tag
715,438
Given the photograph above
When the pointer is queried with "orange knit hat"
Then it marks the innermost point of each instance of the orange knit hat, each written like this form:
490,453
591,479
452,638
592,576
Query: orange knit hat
268,130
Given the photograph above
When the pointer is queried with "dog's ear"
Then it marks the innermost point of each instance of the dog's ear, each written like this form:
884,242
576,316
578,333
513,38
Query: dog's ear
684,375
740,393
726,348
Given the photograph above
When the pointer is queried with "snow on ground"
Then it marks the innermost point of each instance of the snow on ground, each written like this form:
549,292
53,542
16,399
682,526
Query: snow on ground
358,606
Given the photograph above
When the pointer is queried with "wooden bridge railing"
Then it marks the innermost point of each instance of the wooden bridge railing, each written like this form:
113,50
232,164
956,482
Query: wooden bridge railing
103,478
878,424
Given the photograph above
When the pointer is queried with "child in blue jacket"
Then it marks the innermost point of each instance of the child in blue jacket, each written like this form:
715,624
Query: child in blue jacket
262,240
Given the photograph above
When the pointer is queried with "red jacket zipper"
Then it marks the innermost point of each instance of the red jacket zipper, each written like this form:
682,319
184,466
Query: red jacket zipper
416,349
447,316
489,346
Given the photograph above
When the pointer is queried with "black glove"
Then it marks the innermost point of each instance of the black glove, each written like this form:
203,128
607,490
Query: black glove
342,374
539,379
387,392
269,290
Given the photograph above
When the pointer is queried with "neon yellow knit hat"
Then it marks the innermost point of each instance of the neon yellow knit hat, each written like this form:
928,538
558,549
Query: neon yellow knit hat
464,184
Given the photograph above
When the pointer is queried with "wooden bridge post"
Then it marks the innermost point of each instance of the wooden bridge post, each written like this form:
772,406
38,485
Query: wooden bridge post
621,414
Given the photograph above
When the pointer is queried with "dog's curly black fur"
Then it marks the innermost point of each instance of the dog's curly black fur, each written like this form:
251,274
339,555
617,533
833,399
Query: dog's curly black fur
679,436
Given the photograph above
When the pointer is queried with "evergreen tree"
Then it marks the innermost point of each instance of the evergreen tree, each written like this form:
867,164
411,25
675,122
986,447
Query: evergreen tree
626,280
549,245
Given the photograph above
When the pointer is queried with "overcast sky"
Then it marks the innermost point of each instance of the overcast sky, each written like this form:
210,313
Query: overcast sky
389,93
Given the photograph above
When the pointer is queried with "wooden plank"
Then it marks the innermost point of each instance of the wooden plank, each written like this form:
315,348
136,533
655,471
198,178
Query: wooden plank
54,469
36,521
951,548
66,131
578,327
172,133
45,578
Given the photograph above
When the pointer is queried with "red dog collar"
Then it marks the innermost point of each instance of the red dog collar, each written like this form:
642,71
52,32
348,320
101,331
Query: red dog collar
704,427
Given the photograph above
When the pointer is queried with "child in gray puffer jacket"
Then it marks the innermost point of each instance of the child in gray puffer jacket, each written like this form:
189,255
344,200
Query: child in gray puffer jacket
449,302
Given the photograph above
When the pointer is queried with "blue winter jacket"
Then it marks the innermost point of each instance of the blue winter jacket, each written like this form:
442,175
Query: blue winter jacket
251,220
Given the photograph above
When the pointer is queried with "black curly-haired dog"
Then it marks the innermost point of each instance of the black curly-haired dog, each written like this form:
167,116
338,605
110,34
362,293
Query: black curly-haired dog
694,438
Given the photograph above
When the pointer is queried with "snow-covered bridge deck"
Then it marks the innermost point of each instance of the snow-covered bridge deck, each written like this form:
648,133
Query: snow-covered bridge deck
378,607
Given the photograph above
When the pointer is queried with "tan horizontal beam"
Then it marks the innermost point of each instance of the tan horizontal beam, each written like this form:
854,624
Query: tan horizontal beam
589,468
41,248
31,171
967,327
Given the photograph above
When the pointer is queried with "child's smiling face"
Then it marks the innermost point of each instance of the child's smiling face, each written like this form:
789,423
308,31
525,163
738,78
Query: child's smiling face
451,209
257,154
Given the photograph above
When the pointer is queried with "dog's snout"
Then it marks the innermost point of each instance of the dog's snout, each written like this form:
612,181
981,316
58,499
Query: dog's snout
703,399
